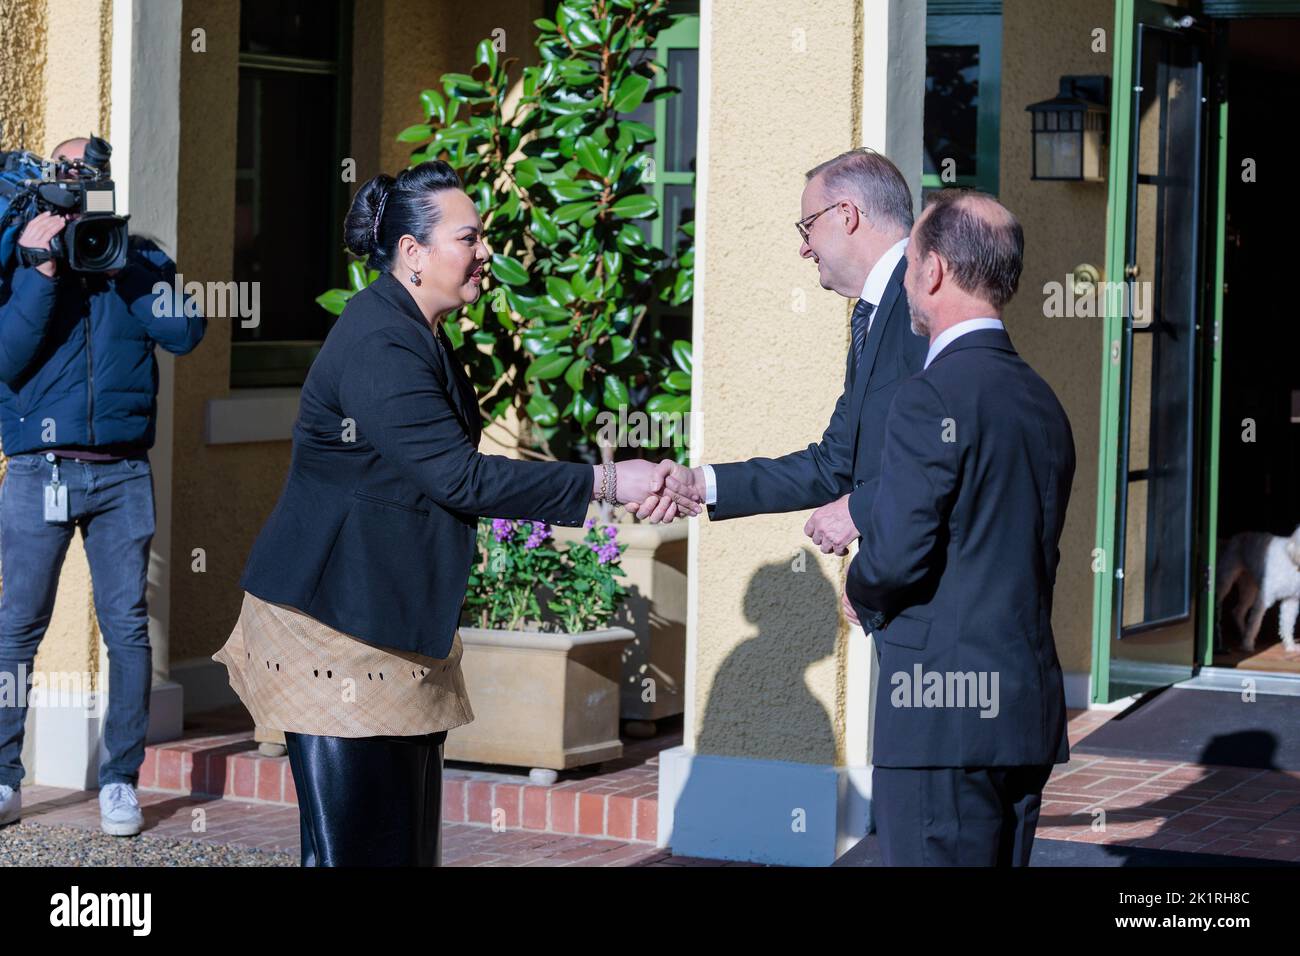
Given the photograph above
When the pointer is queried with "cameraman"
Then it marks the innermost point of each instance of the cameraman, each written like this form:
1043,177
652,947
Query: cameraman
78,401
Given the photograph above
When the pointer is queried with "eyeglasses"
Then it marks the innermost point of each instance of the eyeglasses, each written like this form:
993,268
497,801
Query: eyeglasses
804,225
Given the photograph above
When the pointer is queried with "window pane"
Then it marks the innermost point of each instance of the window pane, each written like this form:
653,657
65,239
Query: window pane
303,28
679,137
285,236
679,207
951,107
1162,241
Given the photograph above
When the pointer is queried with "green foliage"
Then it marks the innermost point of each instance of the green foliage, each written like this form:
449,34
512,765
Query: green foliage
518,567
558,177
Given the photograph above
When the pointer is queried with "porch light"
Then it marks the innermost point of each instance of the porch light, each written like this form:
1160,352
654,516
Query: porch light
1068,132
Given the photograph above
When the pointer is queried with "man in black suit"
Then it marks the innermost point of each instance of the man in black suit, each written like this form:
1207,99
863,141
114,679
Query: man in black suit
856,212
958,557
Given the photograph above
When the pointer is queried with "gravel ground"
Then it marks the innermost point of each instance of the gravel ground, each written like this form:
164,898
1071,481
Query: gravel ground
35,844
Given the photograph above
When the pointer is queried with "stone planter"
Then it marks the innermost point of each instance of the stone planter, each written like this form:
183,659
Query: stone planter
652,682
540,700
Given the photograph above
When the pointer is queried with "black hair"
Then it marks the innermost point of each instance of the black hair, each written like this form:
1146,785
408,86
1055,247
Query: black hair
385,209
981,239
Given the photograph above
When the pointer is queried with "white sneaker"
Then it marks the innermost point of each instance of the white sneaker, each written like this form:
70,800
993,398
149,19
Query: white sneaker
119,810
11,804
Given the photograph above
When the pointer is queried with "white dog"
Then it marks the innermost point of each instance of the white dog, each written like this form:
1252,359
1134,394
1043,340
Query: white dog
1266,570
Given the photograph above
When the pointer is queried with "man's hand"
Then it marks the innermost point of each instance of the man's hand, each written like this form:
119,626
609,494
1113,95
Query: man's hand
37,235
851,614
679,479
831,527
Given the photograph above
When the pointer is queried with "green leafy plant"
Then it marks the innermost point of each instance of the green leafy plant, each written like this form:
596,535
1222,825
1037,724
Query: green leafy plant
558,174
519,567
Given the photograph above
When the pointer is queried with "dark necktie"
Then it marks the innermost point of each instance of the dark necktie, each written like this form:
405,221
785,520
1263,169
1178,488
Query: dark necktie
861,318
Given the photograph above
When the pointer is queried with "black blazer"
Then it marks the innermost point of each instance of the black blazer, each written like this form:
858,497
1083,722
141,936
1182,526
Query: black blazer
957,562
847,459
375,527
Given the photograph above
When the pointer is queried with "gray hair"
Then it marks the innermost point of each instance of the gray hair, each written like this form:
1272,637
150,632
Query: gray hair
872,181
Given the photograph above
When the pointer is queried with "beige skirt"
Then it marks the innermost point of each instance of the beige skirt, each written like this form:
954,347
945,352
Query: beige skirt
296,674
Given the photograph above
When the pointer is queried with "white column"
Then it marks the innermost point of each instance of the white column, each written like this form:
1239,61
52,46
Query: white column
146,167
893,84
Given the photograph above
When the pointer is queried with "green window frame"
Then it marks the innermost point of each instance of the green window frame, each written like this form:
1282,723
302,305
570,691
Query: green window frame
683,35
976,23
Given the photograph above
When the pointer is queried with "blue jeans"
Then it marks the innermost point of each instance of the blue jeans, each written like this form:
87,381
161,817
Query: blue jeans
112,503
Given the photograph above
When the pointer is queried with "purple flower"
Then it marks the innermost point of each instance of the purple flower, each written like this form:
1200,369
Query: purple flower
502,529
541,531
611,532
606,552
589,523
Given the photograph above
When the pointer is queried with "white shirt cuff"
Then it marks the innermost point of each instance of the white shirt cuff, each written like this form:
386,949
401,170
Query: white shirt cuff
710,485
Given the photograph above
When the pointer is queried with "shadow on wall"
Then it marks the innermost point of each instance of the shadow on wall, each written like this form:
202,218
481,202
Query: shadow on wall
759,704
763,800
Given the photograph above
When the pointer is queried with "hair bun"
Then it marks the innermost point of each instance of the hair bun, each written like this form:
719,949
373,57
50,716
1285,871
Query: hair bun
361,225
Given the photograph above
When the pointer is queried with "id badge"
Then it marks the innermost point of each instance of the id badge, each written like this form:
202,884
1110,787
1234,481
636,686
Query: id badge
56,502
56,496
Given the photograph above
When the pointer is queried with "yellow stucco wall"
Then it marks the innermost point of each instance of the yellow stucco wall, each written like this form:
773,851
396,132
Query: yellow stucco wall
22,73
219,492
78,70
770,647
54,82
1065,224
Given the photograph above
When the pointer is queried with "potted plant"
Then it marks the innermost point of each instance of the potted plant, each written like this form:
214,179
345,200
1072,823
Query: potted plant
541,662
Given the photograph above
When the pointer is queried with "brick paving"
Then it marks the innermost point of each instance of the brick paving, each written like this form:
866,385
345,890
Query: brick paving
217,789
616,801
1169,805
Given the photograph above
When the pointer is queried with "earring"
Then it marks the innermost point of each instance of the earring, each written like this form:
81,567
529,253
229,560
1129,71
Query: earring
415,278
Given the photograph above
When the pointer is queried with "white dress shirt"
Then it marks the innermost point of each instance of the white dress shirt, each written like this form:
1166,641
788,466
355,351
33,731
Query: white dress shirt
873,290
947,336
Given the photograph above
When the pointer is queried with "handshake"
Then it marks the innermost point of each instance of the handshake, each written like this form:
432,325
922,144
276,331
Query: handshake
659,492
663,491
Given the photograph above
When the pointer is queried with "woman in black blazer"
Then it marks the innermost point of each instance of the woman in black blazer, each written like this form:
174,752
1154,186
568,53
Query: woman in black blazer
374,532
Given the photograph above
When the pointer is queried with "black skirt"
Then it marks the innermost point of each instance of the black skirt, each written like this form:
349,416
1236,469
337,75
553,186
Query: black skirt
368,801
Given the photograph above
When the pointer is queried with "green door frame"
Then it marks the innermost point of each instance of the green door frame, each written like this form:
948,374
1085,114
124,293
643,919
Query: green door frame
1108,487
1106,556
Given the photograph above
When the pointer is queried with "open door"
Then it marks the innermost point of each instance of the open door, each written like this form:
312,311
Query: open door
1149,577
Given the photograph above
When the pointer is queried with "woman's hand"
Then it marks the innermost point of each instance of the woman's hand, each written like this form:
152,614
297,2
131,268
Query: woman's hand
640,486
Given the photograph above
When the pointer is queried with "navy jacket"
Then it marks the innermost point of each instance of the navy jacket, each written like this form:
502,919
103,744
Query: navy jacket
847,459
374,532
957,562
80,350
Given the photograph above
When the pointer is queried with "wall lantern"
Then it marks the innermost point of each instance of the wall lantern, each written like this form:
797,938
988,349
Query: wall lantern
1069,131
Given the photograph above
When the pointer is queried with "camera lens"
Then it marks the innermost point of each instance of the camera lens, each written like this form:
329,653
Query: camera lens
98,243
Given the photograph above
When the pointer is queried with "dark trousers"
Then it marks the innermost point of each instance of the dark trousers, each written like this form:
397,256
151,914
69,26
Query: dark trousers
368,801
957,816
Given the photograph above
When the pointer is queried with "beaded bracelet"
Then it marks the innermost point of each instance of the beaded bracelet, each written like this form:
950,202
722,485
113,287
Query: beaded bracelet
608,484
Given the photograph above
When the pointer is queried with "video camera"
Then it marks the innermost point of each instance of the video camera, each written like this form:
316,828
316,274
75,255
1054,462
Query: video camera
29,185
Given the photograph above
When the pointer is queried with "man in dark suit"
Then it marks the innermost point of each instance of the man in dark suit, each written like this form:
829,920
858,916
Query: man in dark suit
856,212
958,558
